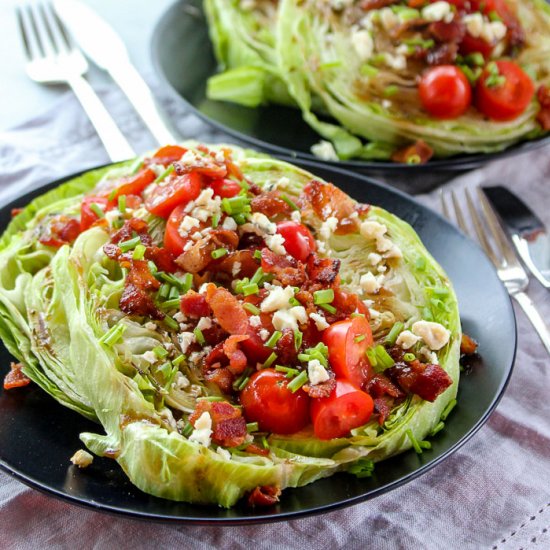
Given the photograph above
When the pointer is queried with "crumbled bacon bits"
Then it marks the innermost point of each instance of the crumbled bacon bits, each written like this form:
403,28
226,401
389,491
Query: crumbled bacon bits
16,378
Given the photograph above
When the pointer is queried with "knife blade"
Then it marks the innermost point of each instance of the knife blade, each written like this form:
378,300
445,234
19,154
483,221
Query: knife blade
525,229
105,48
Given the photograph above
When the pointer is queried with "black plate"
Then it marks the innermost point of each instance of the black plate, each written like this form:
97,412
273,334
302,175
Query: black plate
37,435
184,60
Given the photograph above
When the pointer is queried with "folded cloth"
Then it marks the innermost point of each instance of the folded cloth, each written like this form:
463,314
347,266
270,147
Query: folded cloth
492,493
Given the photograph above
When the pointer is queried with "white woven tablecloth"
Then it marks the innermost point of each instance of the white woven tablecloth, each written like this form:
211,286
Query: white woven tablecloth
493,493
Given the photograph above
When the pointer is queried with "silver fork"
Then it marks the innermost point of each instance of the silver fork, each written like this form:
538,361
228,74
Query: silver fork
509,269
52,58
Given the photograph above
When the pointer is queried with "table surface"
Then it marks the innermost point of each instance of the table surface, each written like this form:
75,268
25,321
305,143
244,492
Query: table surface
134,20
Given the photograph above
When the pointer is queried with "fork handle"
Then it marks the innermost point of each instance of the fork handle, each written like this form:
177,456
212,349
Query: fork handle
534,316
115,143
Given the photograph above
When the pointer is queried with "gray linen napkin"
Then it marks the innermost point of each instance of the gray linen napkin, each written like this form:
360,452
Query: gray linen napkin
492,493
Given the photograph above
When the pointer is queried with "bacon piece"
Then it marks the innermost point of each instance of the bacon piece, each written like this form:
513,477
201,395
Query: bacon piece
286,349
285,269
417,153
265,495
324,389
379,385
468,346
193,304
543,116
368,5
15,212
135,301
452,31
221,377
228,424
59,231
112,251
270,204
383,406
427,381
130,226
322,270
162,258
205,165
240,263
140,276
444,54
237,359
327,200
227,309
16,378
255,450
347,303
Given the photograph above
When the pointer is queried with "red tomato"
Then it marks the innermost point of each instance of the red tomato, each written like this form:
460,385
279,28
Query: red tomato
470,44
175,191
267,401
254,348
347,407
445,92
225,188
168,154
173,241
347,342
509,100
134,185
87,216
299,241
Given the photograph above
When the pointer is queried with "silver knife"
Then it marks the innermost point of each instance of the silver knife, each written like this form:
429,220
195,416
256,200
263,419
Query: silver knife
104,47
525,229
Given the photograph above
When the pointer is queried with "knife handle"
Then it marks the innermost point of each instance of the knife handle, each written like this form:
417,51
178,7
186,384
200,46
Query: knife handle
115,143
534,316
140,96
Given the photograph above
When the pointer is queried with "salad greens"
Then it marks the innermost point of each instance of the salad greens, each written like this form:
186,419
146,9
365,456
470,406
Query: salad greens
59,317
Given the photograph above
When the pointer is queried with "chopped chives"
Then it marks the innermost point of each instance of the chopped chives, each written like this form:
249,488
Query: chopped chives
170,323
394,333
409,357
391,90
425,444
294,302
289,371
187,282
289,201
258,276
174,293
112,194
171,304
243,379
160,352
298,337
323,296
295,384
187,429
176,362
164,174
355,314
414,441
251,308
252,427
139,252
152,267
96,209
165,369
257,254
125,246
215,220
438,427
250,288
270,360
163,291
447,410
113,335
273,339
122,203
265,444
359,338
371,356
199,336
243,383
212,398
219,253
328,307
383,359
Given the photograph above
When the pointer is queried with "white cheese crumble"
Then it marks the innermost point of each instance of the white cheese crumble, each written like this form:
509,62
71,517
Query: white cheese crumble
324,150
474,23
236,269
151,326
203,430
181,381
363,44
316,372
374,259
276,244
369,283
204,206
433,334
296,216
180,317
229,223
438,11
204,323
493,31
407,339
320,321
255,321
289,318
185,339
264,334
187,224
82,458
397,62
388,19
328,227
150,357
373,230
278,298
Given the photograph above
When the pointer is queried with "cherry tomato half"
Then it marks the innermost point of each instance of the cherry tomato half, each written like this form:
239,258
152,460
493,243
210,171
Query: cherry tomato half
135,185
175,191
508,100
347,342
445,92
225,188
299,241
87,216
173,241
347,407
267,401
168,154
